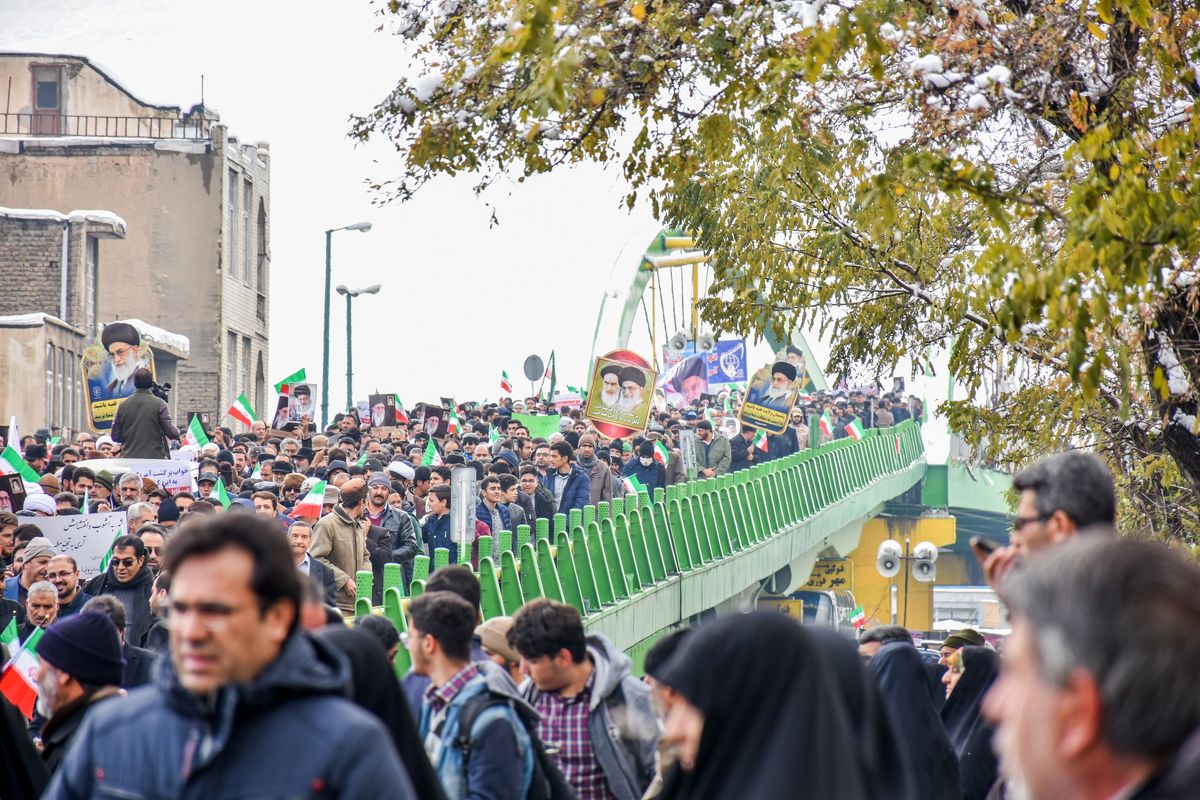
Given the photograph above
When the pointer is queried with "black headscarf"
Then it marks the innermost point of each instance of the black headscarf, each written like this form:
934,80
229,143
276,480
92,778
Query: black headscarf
904,687
970,733
774,726
883,766
374,687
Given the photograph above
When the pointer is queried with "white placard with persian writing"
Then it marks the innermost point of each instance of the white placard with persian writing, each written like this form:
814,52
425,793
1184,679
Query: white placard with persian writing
174,476
84,537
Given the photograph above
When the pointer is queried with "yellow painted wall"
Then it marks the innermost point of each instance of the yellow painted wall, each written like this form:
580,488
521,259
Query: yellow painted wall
872,590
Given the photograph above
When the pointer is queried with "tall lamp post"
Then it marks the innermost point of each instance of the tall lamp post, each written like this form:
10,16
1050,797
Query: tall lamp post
350,295
358,226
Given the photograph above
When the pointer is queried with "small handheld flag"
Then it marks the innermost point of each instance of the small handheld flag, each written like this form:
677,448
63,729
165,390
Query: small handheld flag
826,423
855,430
432,457
661,453
310,505
284,386
505,383
220,495
454,423
195,435
859,618
760,440
633,485
401,414
18,681
11,462
241,411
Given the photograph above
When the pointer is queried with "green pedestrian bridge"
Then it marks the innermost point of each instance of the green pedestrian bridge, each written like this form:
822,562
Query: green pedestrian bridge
640,566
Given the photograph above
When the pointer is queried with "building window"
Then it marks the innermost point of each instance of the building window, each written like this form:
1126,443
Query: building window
91,285
230,365
246,364
232,223
49,384
260,389
262,248
247,201
47,100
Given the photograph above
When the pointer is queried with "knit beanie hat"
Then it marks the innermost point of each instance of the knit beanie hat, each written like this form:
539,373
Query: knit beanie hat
85,646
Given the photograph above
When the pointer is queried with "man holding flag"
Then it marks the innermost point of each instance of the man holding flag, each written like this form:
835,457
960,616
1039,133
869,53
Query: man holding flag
143,423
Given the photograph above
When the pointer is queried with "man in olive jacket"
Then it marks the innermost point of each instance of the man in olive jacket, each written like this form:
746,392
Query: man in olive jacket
712,452
340,542
143,422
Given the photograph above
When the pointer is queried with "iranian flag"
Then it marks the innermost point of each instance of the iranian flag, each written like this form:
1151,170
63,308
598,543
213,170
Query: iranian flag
505,383
859,618
14,435
310,505
401,414
18,681
8,636
104,562
284,386
87,501
256,475
241,411
661,453
897,445
195,435
760,440
633,485
220,495
455,423
11,463
493,436
362,459
432,457
855,430
826,424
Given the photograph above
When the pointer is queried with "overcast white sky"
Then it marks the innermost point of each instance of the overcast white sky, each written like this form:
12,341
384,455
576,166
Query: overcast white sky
460,300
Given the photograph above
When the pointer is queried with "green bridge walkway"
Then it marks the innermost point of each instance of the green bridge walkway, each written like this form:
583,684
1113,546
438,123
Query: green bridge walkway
638,567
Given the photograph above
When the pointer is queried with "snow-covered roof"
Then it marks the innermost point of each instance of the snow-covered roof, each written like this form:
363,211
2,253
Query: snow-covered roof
35,320
163,338
96,216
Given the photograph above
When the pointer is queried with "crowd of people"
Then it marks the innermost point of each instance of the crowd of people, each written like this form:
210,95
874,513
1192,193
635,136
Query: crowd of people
215,654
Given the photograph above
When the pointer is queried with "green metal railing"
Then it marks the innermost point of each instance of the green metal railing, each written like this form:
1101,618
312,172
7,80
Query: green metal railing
639,565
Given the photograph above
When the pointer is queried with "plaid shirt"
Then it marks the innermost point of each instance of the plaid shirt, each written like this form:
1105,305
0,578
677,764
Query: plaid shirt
439,697
564,725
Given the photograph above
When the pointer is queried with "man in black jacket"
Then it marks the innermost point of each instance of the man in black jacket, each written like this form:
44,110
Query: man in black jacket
139,662
130,580
741,449
143,422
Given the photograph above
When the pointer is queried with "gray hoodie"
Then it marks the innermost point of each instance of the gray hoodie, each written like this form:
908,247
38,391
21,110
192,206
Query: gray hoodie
623,726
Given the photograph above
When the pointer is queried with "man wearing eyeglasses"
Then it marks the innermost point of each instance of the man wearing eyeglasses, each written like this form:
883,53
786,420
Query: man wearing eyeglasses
245,704
63,572
1060,496
130,580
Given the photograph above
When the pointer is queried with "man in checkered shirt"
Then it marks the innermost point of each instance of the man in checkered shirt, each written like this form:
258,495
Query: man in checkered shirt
594,711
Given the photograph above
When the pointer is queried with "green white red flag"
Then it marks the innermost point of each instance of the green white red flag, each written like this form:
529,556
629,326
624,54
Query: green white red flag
859,618
12,463
661,454
505,383
826,424
310,505
241,411
855,430
18,682
401,414
760,440
455,424
220,495
284,386
432,457
195,435
633,485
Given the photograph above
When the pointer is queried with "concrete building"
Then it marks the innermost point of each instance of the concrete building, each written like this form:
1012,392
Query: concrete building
195,258
50,264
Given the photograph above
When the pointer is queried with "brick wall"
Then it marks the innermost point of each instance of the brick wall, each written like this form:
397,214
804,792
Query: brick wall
30,263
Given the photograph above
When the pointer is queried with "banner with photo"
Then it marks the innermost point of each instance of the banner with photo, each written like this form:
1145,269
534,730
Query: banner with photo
769,400
108,365
383,410
620,394
302,403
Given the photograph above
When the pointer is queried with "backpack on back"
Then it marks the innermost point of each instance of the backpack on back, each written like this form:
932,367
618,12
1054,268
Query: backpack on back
547,782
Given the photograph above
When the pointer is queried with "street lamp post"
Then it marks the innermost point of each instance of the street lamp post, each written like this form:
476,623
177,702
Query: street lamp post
357,226
350,295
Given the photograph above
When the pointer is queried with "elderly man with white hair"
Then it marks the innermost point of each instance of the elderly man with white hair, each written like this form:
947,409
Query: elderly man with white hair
129,489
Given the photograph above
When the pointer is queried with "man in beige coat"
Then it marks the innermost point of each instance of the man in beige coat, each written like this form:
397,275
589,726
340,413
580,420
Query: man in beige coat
340,542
